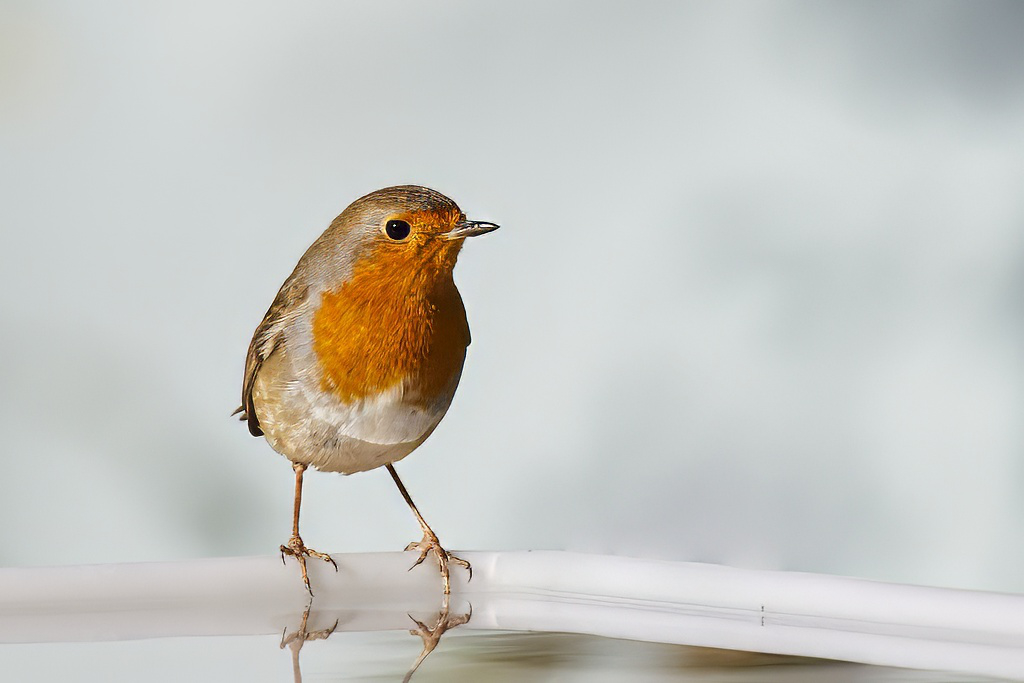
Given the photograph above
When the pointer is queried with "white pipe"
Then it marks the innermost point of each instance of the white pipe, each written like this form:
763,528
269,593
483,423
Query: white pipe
669,602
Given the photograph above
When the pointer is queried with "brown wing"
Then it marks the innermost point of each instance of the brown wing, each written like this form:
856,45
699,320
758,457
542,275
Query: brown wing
264,342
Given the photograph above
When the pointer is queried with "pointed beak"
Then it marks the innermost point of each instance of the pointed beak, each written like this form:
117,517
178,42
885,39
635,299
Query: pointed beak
466,228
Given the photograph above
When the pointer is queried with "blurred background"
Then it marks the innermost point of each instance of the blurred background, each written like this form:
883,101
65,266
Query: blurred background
756,299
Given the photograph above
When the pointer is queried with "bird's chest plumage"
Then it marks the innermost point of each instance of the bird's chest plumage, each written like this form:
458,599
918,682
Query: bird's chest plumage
377,334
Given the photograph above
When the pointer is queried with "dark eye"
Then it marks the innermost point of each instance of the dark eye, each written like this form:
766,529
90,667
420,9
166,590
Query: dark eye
397,230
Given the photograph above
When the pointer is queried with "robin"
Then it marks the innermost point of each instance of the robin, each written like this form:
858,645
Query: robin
358,358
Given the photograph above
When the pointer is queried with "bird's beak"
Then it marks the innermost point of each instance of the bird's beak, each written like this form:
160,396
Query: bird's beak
466,228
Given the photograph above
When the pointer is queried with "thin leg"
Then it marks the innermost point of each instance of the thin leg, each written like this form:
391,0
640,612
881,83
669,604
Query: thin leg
299,470
295,547
429,544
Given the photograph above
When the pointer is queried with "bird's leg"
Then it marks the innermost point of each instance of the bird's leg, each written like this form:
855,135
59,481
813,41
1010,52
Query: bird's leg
429,544
295,547
432,636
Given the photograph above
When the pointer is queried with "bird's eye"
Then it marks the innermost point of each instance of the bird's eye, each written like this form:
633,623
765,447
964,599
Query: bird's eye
397,230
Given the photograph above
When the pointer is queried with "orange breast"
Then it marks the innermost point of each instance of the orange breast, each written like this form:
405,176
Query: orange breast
398,319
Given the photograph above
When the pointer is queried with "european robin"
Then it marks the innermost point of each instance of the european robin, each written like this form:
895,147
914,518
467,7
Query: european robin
358,358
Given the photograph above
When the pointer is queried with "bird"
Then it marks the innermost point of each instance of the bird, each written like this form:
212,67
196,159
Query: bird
359,356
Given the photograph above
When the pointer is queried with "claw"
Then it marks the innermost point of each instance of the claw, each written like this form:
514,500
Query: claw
430,544
297,549
423,553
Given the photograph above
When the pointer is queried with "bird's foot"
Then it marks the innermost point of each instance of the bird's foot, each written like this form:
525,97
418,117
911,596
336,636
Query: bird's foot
431,636
295,640
430,544
297,549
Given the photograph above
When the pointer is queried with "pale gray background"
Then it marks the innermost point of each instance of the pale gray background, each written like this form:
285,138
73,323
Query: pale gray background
757,298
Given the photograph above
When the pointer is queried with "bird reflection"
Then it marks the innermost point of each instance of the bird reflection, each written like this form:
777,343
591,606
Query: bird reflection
430,635
295,641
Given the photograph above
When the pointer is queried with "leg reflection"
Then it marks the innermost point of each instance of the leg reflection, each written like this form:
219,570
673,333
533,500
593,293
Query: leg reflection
431,636
295,641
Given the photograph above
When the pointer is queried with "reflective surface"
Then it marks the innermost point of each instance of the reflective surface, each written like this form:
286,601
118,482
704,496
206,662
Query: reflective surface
388,656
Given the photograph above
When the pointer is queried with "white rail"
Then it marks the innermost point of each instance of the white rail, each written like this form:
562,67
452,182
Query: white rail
694,604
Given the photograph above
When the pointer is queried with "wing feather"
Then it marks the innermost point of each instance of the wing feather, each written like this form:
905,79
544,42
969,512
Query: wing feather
265,341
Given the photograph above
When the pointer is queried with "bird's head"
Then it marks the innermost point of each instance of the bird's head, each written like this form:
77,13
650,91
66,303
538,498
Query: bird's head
405,229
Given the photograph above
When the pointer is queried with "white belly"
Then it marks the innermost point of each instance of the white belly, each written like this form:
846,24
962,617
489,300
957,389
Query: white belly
313,427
